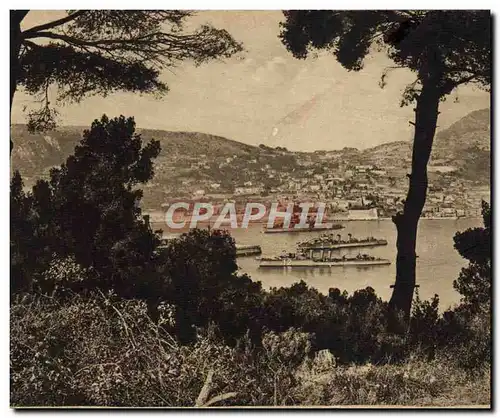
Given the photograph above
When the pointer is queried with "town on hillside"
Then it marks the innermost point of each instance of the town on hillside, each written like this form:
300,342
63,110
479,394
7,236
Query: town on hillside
341,179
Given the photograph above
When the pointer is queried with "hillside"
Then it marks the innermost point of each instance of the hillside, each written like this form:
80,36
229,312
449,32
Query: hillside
472,131
394,154
189,159
34,154
467,145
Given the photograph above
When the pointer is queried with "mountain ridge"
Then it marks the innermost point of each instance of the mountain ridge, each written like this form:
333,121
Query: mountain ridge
468,139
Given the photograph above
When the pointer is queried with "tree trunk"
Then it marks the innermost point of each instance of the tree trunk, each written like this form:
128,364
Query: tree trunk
426,114
16,17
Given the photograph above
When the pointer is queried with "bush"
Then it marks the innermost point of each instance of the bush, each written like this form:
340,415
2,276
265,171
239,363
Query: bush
89,211
101,351
353,327
474,244
105,351
466,336
416,382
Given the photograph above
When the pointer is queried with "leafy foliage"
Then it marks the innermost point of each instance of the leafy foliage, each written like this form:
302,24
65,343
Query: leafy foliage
474,244
444,48
424,324
89,211
104,351
103,51
23,245
205,285
466,335
353,327
452,47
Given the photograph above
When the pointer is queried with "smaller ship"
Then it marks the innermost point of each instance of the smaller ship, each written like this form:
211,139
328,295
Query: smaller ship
310,228
247,250
335,242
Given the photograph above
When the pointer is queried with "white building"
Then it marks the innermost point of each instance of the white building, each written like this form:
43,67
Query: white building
199,193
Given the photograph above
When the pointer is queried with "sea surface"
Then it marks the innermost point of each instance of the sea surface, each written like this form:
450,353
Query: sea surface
438,263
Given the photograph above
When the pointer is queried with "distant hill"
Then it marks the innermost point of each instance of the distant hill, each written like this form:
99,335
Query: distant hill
34,154
465,144
395,154
472,131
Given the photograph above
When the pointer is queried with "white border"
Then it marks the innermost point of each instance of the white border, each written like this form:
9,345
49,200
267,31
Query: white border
173,4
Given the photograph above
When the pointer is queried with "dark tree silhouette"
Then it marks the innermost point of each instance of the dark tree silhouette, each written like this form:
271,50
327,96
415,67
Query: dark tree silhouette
443,48
21,236
474,244
88,211
102,51
95,205
202,268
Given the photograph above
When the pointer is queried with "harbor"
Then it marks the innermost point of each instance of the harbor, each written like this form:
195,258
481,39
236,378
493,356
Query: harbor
323,252
438,263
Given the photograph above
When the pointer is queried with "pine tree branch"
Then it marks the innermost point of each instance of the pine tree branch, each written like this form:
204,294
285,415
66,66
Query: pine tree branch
102,42
54,23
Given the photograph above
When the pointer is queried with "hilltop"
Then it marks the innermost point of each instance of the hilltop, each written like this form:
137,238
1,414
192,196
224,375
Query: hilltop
34,154
467,145
471,131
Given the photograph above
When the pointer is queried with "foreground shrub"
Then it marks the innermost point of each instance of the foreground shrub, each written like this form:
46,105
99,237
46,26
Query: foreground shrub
353,327
416,382
465,335
89,210
100,351
474,245
103,351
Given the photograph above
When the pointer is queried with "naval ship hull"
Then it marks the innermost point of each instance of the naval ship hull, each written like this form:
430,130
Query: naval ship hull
345,245
310,263
247,250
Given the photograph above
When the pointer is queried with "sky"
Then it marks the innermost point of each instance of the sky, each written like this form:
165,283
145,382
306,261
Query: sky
265,95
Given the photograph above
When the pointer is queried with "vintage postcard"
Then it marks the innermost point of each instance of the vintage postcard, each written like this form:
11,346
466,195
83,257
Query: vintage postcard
227,208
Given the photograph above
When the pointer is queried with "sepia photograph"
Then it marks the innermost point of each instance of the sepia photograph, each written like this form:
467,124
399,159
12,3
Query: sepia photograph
250,208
